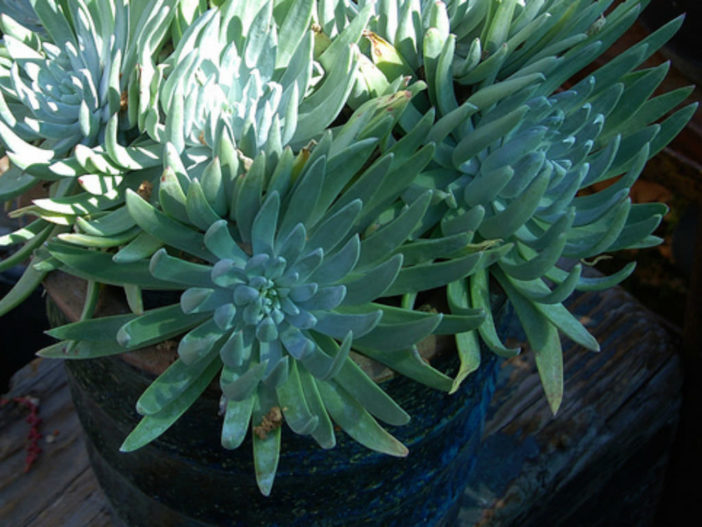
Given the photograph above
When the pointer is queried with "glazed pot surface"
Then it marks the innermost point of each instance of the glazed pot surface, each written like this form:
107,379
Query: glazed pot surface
186,477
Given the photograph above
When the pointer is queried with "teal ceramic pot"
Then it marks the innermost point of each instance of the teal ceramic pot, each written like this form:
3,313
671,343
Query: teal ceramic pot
185,478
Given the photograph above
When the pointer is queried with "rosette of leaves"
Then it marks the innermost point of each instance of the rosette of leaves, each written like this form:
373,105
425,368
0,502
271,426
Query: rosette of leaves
241,79
278,288
59,88
247,70
516,160
243,72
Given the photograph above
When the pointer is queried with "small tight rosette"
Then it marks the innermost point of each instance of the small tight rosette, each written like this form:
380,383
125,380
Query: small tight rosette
61,88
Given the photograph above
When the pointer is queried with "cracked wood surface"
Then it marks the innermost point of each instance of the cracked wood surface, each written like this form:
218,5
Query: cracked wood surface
600,461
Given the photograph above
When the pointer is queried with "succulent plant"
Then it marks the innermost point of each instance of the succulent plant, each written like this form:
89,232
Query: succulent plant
215,63
59,87
242,69
298,170
518,156
281,289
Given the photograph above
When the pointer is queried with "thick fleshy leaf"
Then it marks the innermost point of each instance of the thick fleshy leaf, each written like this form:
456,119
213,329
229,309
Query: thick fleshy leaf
28,248
338,324
266,441
458,294
239,387
544,340
398,336
369,395
199,342
98,266
85,349
357,422
428,276
373,282
294,404
166,229
161,324
410,364
324,433
236,422
170,385
152,426
171,269
384,241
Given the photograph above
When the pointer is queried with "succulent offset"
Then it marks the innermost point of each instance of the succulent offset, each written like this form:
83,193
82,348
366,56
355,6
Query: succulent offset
296,170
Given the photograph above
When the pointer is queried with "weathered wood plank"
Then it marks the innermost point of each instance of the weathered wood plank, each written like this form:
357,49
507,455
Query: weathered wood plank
581,467
59,488
599,461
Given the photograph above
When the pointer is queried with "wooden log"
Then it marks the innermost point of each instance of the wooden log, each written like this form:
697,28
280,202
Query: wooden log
600,461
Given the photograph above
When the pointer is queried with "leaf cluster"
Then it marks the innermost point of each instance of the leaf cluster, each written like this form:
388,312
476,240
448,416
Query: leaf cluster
300,171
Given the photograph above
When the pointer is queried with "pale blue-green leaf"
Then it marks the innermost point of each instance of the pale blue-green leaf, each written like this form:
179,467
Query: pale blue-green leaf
152,426
172,269
357,422
166,229
170,385
294,404
72,349
199,342
335,267
337,324
99,266
480,298
324,433
236,422
198,208
141,247
266,450
373,283
428,276
219,241
264,226
157,325
410,363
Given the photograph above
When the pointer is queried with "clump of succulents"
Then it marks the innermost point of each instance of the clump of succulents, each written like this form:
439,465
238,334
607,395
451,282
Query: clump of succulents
288,167
517,150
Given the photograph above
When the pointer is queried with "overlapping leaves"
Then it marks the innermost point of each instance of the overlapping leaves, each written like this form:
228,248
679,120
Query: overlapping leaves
515,161
283,286
220,168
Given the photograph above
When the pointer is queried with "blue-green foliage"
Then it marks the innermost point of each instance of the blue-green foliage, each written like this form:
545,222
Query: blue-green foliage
517,156
299,171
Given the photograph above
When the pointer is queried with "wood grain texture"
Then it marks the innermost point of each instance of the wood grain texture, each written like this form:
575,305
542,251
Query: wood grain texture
600,461
60,488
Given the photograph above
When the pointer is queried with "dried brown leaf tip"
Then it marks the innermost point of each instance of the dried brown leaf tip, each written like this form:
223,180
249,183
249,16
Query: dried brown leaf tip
145,189
167,345
272,420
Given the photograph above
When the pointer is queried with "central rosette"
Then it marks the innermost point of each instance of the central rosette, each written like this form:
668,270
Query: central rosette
266,301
